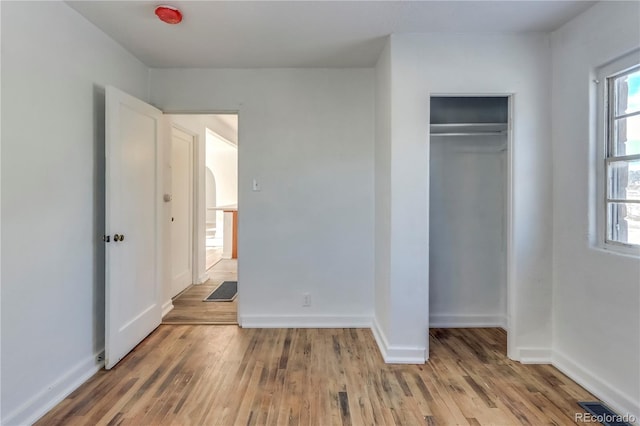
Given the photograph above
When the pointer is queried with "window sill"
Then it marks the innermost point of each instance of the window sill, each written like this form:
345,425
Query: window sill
618,250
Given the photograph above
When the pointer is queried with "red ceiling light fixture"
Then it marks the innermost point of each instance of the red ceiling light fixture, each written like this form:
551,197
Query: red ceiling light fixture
169,14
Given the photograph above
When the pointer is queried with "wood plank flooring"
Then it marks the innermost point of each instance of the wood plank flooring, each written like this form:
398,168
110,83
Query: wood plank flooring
226,375
188,307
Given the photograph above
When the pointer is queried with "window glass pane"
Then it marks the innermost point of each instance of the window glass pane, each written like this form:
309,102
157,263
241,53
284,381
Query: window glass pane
627,93
626,136
623,223
624,180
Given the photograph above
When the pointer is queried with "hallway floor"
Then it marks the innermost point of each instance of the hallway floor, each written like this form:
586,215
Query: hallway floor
188,307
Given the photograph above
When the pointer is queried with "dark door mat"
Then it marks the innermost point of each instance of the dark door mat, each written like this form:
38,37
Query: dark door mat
603,414
225,292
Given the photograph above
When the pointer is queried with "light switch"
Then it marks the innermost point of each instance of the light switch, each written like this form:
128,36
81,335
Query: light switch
256,185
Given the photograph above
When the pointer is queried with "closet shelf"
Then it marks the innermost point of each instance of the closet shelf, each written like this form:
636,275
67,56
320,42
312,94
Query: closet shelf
469,129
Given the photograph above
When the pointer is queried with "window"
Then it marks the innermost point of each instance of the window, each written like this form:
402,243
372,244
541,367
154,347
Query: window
622,158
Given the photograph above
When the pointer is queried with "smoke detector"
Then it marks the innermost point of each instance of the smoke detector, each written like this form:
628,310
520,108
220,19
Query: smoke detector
169,14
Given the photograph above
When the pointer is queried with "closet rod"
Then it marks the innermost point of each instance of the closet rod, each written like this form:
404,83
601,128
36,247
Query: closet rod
469,129
469,134
467,124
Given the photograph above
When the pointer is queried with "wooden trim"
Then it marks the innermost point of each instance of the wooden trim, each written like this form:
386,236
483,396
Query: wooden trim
467,321
397,354
306,321
55,392
234,240
234,231
167,307
534,355
623,404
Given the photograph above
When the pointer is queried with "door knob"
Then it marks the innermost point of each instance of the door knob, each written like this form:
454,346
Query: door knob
118,237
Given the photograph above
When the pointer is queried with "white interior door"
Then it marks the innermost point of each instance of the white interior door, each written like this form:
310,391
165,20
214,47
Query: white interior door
133,208
181,210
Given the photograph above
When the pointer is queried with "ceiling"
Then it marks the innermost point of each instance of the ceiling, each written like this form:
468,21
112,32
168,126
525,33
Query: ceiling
275,34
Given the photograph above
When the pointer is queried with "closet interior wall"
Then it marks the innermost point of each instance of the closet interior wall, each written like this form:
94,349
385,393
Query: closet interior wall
468,184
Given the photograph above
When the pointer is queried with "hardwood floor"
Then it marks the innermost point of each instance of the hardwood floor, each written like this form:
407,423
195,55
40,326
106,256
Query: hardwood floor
202,375
188,307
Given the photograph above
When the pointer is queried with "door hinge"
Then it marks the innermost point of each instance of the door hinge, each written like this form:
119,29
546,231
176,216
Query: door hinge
106,238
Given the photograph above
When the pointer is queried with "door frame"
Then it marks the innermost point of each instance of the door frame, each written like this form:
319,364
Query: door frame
511,323
194,198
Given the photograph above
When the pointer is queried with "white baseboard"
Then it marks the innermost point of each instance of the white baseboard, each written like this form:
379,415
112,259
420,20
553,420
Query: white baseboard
203,278
534,355
467,321
306,321
619,402
167,307
51,395
397,354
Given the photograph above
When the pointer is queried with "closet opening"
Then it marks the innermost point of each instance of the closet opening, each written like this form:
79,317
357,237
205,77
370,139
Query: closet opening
469,221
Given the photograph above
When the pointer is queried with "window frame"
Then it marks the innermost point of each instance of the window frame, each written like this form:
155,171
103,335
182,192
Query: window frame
606,146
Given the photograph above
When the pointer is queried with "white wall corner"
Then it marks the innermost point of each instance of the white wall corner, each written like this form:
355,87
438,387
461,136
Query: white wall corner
619,402
534,355
305,321
467,321
51,395
167,307
397,354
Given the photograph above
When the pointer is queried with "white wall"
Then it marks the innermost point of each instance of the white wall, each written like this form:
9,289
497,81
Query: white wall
54,69
221,180
596,315
424,64
382,199
467,277
222,160
307,136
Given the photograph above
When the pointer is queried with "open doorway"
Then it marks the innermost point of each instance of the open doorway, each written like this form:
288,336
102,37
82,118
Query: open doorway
214,232
469,220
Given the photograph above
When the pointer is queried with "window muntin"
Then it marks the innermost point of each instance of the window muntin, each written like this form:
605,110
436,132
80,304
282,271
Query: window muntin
622,160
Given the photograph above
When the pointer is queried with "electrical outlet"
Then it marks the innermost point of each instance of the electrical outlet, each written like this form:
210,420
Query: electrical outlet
306,300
